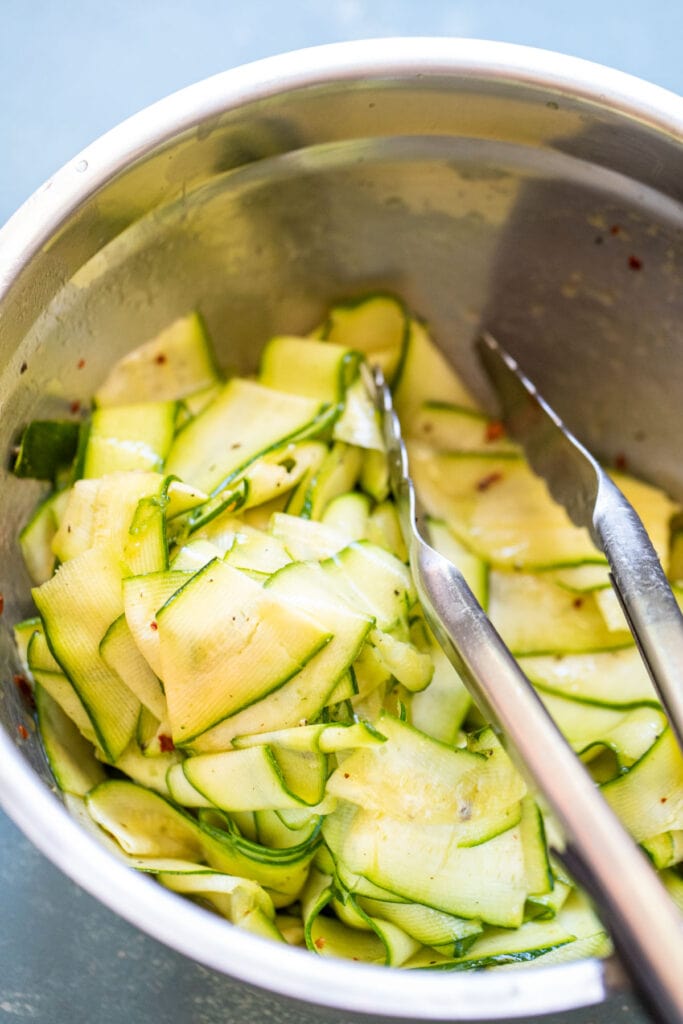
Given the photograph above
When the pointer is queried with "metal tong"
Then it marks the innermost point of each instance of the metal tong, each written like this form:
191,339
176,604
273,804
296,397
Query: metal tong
645,926
578,482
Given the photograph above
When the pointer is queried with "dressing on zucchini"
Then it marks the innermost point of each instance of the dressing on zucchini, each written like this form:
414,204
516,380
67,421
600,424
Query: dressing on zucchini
235,685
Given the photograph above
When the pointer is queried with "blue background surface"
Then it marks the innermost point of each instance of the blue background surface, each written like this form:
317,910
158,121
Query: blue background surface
70,70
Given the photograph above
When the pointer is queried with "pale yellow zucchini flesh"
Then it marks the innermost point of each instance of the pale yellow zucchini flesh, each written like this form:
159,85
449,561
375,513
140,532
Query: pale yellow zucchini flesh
237,690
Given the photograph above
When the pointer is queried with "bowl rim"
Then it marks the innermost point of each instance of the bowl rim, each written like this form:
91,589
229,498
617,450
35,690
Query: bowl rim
39,217
37,811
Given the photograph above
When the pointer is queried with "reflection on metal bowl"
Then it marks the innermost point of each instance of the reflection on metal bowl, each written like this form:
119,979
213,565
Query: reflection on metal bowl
489,185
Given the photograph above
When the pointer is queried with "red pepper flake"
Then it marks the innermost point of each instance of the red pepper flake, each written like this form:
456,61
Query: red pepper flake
75,407
166,744
24,687
663,799
494,430
154,625
615,229
23,368
634,263
23,731
161,359
80,364
319,943
2,604
577,602
347,775
488,481
620,461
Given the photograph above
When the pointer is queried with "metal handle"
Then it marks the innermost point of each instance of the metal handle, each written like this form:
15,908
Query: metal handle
645,596
592,499
644,924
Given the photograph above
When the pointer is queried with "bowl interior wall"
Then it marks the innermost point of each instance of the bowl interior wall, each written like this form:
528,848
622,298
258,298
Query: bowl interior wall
533,215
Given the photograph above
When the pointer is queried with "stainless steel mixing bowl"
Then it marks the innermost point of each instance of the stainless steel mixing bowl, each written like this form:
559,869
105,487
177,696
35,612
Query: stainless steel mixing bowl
488,184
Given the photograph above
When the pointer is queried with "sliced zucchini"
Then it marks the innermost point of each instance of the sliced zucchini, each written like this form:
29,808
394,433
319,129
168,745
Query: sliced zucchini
486,881
675,559
440,709
280,680
359,422
590,728
353,933
46,672
120,652
649,797
77,606
191,405
178,362
244,903
498,947
224,643
129,437
267,478
348,514
456,428
666,849
324,737
410,667
100,512
374,581
345,689
499,509
426,375
581,579
259,778
245,421
71,757
148,827
143,596
473,568
23,633
144,823
47,447
306,540
416,778
611,678
153,736
448,934
384,529
376,325
150,772
257,551
314,369
336,474
282,872
535,616
539,874
306,588
35,539
145,548
374,475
